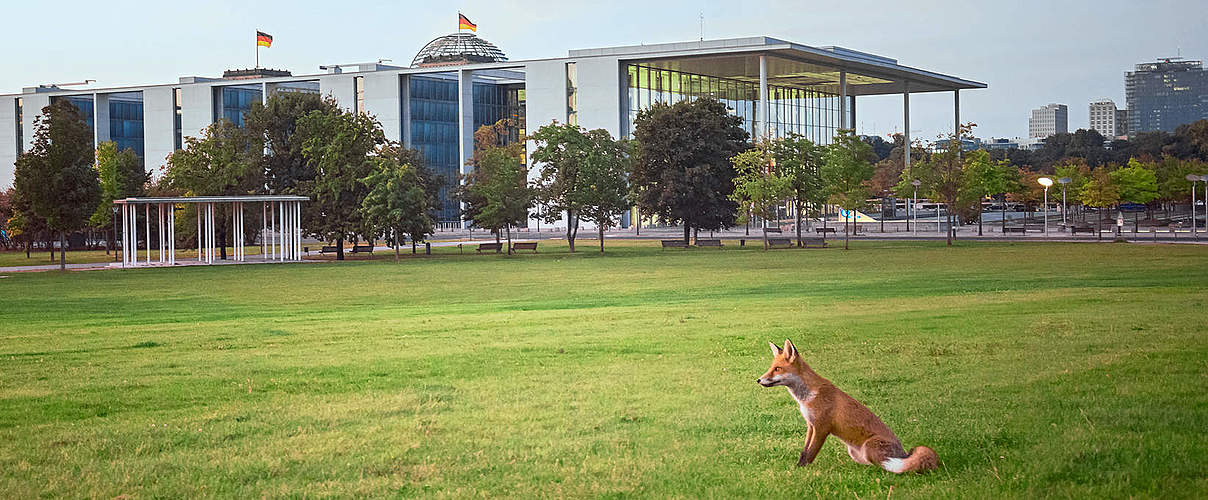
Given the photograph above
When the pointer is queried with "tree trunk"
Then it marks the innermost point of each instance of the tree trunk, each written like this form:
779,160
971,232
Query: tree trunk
846,235
687,233
600,227
798,210
222,234
1004,216
509,230
948,233
62,251
396,249
570,235
340,247
979,218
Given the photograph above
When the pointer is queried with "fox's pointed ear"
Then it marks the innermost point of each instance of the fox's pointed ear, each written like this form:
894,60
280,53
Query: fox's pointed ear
790,350
775,349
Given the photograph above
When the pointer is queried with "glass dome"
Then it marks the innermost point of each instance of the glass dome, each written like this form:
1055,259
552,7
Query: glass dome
457,48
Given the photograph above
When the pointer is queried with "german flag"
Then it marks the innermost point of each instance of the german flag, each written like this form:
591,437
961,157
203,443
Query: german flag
264,39
463,23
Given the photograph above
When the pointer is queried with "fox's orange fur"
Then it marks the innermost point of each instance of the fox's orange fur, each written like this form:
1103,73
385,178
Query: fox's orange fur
828,410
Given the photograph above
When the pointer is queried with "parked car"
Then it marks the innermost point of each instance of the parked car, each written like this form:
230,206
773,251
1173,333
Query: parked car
1132,207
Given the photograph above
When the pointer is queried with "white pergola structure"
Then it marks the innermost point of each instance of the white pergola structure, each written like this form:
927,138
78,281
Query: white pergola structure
281,231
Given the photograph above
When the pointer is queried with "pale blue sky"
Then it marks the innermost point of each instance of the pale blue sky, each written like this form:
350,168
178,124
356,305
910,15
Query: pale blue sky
1029,52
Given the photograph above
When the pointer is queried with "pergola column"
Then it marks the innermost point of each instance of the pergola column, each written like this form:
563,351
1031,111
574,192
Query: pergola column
465,119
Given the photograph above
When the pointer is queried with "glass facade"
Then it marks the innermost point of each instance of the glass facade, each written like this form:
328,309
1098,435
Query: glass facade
434,133
126,122
572,94
811,112
234,102
84,104
434,125
176,106
20,128
358,87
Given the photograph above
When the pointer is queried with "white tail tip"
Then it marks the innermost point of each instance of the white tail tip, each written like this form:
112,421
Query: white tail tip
894,465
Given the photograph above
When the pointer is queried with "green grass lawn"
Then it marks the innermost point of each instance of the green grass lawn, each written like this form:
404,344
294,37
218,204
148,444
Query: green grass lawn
1051,370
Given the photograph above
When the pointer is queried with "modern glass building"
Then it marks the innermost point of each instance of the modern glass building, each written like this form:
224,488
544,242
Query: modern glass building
1165,94
459,82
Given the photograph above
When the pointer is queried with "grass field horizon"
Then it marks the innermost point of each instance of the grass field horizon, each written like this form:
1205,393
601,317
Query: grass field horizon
1033,369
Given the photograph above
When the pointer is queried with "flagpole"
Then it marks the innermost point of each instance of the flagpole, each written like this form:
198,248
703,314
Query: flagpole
257,49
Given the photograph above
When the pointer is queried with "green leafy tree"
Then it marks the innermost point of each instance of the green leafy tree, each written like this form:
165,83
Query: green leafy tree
1100,191
682,171
430,180
582,176
561,152
224,161
56,176
499,186
800,160
947,177
397,203
982,177
275,124
846,170
759,186
1077,171
121,176
604,177
1137,183
341,145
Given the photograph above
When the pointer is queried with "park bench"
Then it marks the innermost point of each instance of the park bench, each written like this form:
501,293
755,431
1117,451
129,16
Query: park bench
497,247
780,242
362,249
1014,229
1082,229
813,242
329,249
772,230
716,242
824,230
673,243
525,245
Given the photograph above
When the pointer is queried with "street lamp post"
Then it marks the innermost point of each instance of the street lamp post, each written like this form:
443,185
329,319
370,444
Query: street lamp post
1193,178
1046,182
914,208
1064,208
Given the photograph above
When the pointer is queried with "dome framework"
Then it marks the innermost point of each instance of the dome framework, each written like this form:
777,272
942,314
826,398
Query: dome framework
457,48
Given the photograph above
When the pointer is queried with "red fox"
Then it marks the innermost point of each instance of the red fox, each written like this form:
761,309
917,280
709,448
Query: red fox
828,410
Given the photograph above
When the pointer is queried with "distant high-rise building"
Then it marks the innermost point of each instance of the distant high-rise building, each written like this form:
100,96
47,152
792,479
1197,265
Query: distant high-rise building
1049,120
1121,123
1165,94
1103,117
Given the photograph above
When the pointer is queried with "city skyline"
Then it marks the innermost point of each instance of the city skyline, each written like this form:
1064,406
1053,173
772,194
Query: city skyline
993,47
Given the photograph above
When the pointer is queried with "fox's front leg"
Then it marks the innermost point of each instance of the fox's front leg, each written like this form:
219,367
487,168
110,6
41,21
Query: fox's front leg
814,437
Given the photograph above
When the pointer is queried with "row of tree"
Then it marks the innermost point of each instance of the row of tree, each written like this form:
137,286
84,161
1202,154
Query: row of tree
689,163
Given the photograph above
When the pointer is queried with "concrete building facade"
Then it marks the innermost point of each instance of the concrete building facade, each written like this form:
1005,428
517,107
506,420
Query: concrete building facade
458,83
1105,118
1048,120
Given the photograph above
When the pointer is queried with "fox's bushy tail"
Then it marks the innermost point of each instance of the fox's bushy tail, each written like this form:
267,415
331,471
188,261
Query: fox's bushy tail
920,459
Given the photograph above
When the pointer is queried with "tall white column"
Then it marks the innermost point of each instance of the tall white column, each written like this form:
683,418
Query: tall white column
200,235
172,234
906,124
843,100
147,222
134,235
159,216
762,128
125,235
